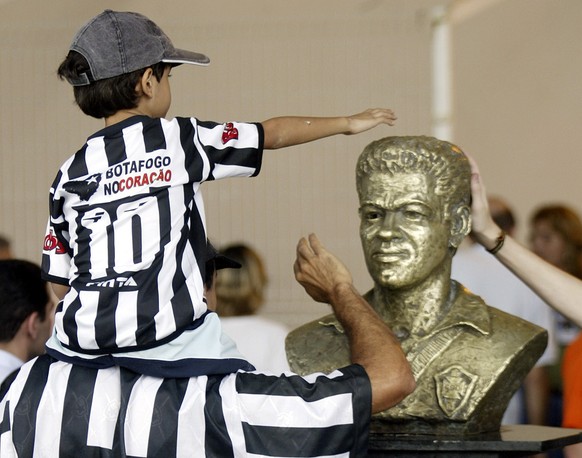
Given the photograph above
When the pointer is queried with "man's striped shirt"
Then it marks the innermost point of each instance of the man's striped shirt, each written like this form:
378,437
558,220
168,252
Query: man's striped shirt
55,409
127,229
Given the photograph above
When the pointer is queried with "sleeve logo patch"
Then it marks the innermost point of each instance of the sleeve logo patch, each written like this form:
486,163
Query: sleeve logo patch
52,243
230,133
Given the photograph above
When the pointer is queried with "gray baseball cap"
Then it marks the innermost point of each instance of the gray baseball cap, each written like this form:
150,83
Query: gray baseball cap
115,43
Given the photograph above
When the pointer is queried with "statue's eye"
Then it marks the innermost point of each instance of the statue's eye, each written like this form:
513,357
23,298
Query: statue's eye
413,215
415,212
370,214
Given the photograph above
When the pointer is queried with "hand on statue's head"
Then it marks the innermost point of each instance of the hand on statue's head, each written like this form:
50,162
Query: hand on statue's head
481,220
317,270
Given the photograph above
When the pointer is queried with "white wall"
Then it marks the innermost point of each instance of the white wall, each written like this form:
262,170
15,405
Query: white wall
516,105
518,100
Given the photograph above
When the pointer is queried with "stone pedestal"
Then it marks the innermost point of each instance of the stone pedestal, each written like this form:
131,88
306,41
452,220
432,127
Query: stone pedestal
510,441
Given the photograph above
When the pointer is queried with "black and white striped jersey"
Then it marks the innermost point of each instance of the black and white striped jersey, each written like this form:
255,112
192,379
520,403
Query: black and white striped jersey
127,228
55,409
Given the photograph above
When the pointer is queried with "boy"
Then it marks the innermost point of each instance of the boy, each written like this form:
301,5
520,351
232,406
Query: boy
126,239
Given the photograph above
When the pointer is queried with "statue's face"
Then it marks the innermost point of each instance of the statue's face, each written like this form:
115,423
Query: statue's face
404,233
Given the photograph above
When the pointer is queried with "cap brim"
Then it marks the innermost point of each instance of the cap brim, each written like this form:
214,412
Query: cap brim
223,262
181,56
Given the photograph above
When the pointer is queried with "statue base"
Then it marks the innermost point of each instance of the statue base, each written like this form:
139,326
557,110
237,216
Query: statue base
510,441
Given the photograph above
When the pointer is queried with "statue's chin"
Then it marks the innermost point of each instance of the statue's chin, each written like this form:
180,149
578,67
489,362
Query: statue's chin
389,281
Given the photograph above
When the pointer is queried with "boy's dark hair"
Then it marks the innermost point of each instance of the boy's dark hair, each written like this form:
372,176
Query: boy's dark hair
22,292
105,97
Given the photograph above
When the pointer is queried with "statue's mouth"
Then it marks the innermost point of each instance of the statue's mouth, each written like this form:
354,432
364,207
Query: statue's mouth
389,256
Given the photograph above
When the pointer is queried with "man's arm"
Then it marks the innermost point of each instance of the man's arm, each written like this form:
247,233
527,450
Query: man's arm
372,343
557,288
294,130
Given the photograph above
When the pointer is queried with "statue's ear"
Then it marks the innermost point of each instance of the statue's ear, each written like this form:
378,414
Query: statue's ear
460,225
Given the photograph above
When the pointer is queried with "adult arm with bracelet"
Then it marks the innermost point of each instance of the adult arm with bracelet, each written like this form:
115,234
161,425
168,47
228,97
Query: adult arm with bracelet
559,289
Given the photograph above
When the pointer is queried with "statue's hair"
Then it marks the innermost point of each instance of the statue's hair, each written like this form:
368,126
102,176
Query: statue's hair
441,160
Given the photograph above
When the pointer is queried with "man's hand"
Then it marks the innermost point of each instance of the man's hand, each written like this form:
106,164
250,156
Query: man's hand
369,119
372,343
318,271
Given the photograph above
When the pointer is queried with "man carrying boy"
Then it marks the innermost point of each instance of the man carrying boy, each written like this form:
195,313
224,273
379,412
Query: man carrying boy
151,373
126,238
76,411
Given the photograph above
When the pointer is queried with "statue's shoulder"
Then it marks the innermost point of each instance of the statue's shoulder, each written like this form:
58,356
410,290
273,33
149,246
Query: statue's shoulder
317,346
319,326
514,331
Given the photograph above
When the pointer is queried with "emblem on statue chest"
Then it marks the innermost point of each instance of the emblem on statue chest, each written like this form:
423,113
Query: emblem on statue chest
454,386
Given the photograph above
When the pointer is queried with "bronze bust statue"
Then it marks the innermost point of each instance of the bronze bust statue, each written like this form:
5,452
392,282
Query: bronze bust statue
468,358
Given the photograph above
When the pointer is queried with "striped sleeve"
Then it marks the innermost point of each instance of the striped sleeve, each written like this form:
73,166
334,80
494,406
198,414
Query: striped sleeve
56,254
56,409
234,149
316,415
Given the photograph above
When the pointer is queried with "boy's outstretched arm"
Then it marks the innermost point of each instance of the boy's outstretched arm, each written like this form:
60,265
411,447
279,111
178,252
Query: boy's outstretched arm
372,343
294,130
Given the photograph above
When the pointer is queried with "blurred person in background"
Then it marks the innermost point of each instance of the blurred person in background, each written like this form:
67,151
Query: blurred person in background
26,314
559,288
475,268
556,237
240,295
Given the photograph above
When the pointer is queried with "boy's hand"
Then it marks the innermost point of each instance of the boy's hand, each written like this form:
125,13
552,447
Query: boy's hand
319,271
369,119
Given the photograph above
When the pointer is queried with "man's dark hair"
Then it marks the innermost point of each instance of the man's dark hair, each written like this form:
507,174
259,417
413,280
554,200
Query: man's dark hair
103,98
22,292
210,265
209,270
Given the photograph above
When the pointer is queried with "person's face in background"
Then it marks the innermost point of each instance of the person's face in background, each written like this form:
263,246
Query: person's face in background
548,243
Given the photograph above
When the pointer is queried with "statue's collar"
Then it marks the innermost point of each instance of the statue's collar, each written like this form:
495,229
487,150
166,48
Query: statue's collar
466,309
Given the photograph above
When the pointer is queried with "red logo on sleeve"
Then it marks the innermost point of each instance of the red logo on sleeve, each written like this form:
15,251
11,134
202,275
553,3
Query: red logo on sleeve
52,243
230,133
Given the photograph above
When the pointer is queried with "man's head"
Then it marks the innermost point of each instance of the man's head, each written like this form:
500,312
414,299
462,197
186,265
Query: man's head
109,55
26,308
414,207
